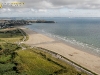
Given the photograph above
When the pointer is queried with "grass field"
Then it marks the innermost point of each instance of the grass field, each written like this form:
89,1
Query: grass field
36,62
11,35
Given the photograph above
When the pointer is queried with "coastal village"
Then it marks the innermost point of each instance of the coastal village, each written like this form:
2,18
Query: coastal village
7,23
11,23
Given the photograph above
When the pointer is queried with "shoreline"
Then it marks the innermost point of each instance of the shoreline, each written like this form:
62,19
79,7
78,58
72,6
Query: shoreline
79,47
85,47
80,57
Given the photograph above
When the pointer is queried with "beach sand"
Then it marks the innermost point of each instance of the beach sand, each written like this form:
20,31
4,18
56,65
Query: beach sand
82,58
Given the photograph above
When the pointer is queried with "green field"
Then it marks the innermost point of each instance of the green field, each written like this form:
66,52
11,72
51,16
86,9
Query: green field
36,62
11,35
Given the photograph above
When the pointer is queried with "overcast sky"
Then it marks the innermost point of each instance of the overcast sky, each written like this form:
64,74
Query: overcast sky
51,8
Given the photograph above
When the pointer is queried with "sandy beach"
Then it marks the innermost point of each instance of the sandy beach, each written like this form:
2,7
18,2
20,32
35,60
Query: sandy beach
84,59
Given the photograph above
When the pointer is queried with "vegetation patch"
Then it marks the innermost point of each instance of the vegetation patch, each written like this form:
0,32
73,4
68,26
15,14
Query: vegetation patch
11,35
37,62
34,64
7,54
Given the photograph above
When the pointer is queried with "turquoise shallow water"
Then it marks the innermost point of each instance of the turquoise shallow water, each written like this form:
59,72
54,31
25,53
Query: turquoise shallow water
82,32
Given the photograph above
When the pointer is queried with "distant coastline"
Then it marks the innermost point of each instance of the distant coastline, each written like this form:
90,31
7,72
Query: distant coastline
40,21
8,23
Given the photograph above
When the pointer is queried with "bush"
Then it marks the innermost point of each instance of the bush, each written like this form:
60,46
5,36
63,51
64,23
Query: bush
10,73
6,67
5,59
9,48
0,47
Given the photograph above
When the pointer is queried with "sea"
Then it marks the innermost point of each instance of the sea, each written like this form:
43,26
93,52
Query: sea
82,33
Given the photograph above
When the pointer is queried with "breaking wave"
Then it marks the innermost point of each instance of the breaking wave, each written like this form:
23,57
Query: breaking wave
73,42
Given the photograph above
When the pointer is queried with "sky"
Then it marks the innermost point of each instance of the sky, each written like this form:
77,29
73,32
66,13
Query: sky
50,8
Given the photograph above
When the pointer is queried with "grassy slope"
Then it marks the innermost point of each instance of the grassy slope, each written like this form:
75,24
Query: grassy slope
34,63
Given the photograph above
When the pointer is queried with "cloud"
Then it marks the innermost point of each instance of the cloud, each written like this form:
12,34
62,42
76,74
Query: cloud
49,4
42,10
51,7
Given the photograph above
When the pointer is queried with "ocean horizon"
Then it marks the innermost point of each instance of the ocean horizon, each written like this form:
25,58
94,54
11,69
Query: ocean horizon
83,33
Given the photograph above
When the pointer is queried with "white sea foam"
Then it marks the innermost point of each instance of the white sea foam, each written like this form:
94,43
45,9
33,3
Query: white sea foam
74,42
